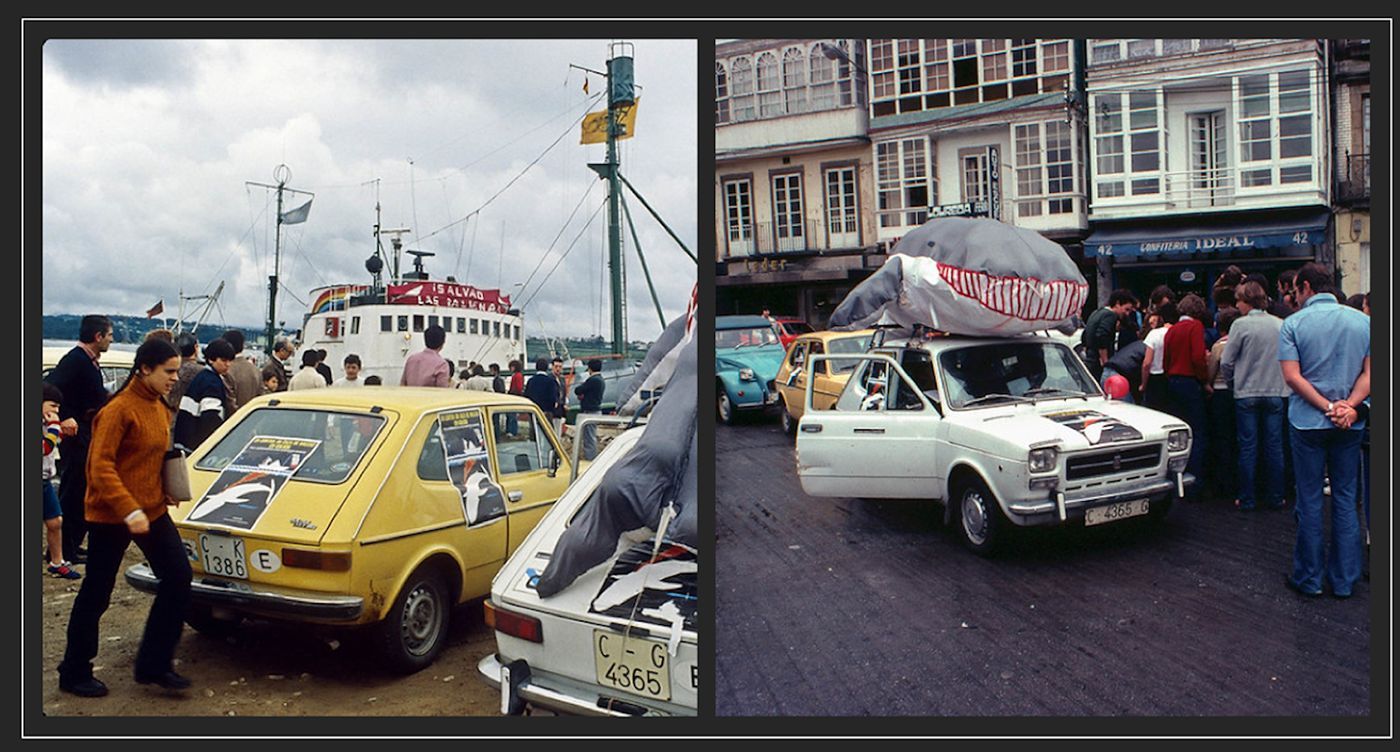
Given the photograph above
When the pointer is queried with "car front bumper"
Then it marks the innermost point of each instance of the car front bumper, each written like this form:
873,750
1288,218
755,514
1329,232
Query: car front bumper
559,695
1057,509
241,596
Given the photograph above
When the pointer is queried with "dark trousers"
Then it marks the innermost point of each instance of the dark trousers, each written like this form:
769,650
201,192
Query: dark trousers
1224,443
1154,392
72,488
106,546
1187,401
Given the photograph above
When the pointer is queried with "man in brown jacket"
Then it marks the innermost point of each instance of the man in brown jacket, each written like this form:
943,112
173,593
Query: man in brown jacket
243,382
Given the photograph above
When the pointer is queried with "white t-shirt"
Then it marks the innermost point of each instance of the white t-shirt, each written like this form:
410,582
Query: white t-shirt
1156,341
342,381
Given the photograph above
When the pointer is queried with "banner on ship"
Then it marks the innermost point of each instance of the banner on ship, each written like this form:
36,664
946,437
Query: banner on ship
449,295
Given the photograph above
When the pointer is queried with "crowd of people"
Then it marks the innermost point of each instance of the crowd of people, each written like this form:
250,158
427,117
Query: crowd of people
1276,390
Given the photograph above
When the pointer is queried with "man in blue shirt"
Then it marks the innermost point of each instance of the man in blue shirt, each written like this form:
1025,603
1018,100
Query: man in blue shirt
1325,352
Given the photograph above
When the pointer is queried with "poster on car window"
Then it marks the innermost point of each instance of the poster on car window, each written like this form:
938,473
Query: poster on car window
246,487
469,466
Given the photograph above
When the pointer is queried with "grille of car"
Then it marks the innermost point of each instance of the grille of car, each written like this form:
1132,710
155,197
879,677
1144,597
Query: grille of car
1115,461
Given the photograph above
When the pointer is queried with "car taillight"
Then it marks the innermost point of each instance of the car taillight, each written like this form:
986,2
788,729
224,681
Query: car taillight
513,624
326,561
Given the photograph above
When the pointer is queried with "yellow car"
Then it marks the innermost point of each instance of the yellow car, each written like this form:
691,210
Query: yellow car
115,364
380,506
830,377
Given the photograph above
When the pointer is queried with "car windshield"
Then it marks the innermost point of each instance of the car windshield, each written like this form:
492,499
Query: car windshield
847,346
344,438
729,339
796,327
1012,371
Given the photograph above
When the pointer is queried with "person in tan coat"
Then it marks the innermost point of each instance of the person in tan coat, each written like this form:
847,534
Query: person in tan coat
243,381
126,502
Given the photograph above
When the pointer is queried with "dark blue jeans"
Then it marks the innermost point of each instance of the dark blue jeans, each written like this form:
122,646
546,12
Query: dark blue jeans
1223,445
1336,453
106,547
1260,424
1187,401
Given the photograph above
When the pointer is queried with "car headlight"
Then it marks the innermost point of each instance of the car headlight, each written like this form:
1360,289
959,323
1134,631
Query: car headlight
1179,440
1043,460
746,374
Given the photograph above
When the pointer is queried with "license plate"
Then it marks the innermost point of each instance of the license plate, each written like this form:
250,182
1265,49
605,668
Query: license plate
1115,512
223,556
632,664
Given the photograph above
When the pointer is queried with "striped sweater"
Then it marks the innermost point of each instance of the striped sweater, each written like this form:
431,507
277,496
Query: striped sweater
53,435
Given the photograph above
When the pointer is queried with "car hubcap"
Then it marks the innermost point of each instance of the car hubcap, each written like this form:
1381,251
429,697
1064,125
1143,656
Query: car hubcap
974,517
723,407
421,622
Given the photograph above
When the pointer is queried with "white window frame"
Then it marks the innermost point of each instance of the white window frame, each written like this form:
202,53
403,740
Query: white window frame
742,90
768,76
789,211
721,93
739,235
888,63
1276,164
905,216
794,79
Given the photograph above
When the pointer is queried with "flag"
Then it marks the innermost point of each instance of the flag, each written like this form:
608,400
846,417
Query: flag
585,83
296,215
595,124
156,309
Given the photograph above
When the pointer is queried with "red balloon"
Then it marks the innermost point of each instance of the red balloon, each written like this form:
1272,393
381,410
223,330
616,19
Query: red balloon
1117,386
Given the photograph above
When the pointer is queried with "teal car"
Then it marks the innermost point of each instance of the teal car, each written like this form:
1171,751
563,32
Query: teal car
747,356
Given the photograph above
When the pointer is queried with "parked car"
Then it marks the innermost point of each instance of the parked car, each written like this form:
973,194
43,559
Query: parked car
1004,432
114,364
377,507
564,653
830,375
790,328
747,356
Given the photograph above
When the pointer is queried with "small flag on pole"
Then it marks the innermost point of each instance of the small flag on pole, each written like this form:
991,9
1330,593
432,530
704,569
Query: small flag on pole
296,215
585,83
594,129
156,309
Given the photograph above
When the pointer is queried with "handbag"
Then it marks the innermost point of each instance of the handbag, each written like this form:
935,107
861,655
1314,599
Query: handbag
174,474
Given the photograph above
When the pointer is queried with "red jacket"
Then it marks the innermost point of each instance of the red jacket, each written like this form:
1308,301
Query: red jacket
1184,350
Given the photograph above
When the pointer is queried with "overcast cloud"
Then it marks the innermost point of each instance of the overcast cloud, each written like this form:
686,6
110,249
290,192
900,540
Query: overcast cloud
148,145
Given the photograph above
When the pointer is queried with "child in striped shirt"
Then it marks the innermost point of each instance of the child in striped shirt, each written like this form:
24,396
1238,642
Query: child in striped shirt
53,513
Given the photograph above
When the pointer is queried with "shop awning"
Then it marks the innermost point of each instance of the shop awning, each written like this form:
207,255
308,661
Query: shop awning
1198,236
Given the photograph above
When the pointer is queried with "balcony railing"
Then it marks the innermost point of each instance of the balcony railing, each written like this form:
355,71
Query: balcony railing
763,238
1356,185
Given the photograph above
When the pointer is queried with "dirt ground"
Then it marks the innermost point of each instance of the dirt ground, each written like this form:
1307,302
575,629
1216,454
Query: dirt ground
267,669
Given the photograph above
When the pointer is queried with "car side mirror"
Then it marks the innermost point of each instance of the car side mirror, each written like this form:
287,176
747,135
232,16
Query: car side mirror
553,463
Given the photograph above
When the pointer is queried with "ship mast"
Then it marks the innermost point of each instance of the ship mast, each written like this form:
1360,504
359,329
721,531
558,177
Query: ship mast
282,174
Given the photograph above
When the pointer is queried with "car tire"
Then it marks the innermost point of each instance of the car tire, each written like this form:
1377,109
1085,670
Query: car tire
724,409
201,619
981,524
786,419
414,630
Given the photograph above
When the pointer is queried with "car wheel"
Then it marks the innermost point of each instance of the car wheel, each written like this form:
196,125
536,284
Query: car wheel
980,521
785,417
724,409
415,628
202,619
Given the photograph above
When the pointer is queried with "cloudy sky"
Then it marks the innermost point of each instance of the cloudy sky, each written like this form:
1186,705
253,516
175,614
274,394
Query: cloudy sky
148,146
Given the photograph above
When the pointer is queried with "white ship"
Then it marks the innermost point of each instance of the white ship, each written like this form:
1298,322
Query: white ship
383,322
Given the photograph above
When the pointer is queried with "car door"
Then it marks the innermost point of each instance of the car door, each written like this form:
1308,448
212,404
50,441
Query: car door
825,387
525,452
877,441
792,378
454,501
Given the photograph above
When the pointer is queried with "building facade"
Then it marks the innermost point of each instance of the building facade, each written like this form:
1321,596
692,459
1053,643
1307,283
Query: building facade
1351,152
1205,153
793,176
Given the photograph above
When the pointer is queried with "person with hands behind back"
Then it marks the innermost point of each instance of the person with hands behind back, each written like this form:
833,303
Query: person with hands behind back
126,502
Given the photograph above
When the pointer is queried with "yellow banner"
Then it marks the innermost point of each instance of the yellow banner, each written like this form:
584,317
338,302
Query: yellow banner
595,124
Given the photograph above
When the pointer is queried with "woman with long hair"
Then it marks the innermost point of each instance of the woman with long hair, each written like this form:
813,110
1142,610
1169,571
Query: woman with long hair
126,502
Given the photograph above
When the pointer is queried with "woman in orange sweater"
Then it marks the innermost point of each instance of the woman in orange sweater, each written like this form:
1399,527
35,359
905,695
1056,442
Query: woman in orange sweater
125,502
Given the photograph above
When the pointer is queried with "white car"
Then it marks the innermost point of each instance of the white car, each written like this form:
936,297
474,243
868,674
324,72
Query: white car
619,641
1004,431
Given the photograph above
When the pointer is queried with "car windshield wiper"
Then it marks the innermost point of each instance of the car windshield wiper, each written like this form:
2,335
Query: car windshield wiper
988,397
1054,389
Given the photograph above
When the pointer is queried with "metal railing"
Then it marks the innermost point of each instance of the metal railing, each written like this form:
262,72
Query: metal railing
1356,185
764,238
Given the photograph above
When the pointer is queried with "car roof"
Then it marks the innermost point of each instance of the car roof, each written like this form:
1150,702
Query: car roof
740,322
113,357
960,339
405,399
826,335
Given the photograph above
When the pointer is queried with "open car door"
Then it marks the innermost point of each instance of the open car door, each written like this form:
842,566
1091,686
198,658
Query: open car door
877,441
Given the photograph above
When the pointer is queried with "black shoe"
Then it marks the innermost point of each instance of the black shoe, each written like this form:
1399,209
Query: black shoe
168,680
78,557
85,687
1295,587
